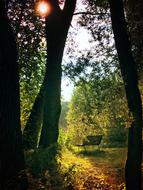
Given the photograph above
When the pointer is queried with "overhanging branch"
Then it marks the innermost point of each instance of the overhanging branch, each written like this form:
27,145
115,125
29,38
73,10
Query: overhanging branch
89,13
85,13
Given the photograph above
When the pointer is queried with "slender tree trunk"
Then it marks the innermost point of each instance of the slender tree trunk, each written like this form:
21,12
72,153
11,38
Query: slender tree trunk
129,74
34,124
57,25
134,14
12,166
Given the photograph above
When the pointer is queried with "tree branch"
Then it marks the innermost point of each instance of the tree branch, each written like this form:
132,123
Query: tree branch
88,13
68,10
84,13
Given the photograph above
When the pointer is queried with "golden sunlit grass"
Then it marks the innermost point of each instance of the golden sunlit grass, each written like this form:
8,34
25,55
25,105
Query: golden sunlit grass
75,160
42,8
76,171
84,173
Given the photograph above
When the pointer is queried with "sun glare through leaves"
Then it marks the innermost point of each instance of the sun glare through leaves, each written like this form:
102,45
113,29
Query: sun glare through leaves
42,8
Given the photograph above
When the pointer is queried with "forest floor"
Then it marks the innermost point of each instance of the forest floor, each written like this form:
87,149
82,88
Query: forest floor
86,170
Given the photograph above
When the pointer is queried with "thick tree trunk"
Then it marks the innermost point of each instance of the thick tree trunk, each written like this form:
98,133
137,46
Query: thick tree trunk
129,74
57,25
52,102
12,166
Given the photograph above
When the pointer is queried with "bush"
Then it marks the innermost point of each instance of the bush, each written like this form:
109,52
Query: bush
40,160
116,137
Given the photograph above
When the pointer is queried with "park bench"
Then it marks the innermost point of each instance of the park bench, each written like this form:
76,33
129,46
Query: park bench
91,140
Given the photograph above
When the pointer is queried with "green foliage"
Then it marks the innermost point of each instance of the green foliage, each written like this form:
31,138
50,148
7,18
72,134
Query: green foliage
98,106
30,34
30,84
116,137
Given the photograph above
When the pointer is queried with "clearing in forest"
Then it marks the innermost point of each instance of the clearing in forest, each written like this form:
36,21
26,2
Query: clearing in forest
91,170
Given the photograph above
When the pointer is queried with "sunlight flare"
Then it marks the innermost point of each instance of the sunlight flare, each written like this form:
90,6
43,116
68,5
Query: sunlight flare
42,8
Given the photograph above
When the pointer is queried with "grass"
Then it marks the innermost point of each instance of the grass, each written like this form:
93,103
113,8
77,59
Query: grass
97,169
111,157
91,170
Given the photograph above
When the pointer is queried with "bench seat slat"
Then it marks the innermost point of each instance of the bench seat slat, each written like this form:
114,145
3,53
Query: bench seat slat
91,140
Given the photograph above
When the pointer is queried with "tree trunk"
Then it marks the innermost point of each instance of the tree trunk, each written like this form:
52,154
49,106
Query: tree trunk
52,103
34,124
57,25
134,12
129,74
12,166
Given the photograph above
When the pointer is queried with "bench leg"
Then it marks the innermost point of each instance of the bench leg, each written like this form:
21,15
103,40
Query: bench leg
85,149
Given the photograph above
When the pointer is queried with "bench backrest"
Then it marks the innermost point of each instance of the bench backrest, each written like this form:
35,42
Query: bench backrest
93,140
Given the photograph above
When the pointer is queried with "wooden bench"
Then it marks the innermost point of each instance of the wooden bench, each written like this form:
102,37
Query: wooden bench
91,140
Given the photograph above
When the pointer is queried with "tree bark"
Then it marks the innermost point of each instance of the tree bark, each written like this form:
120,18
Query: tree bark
129,74
57,25
12,165
134,14
33,126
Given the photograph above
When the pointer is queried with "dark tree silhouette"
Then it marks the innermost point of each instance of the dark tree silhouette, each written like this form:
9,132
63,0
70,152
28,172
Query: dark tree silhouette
12,175
129,74
57,25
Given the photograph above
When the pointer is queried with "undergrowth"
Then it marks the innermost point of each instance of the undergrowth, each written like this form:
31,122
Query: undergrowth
60,169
